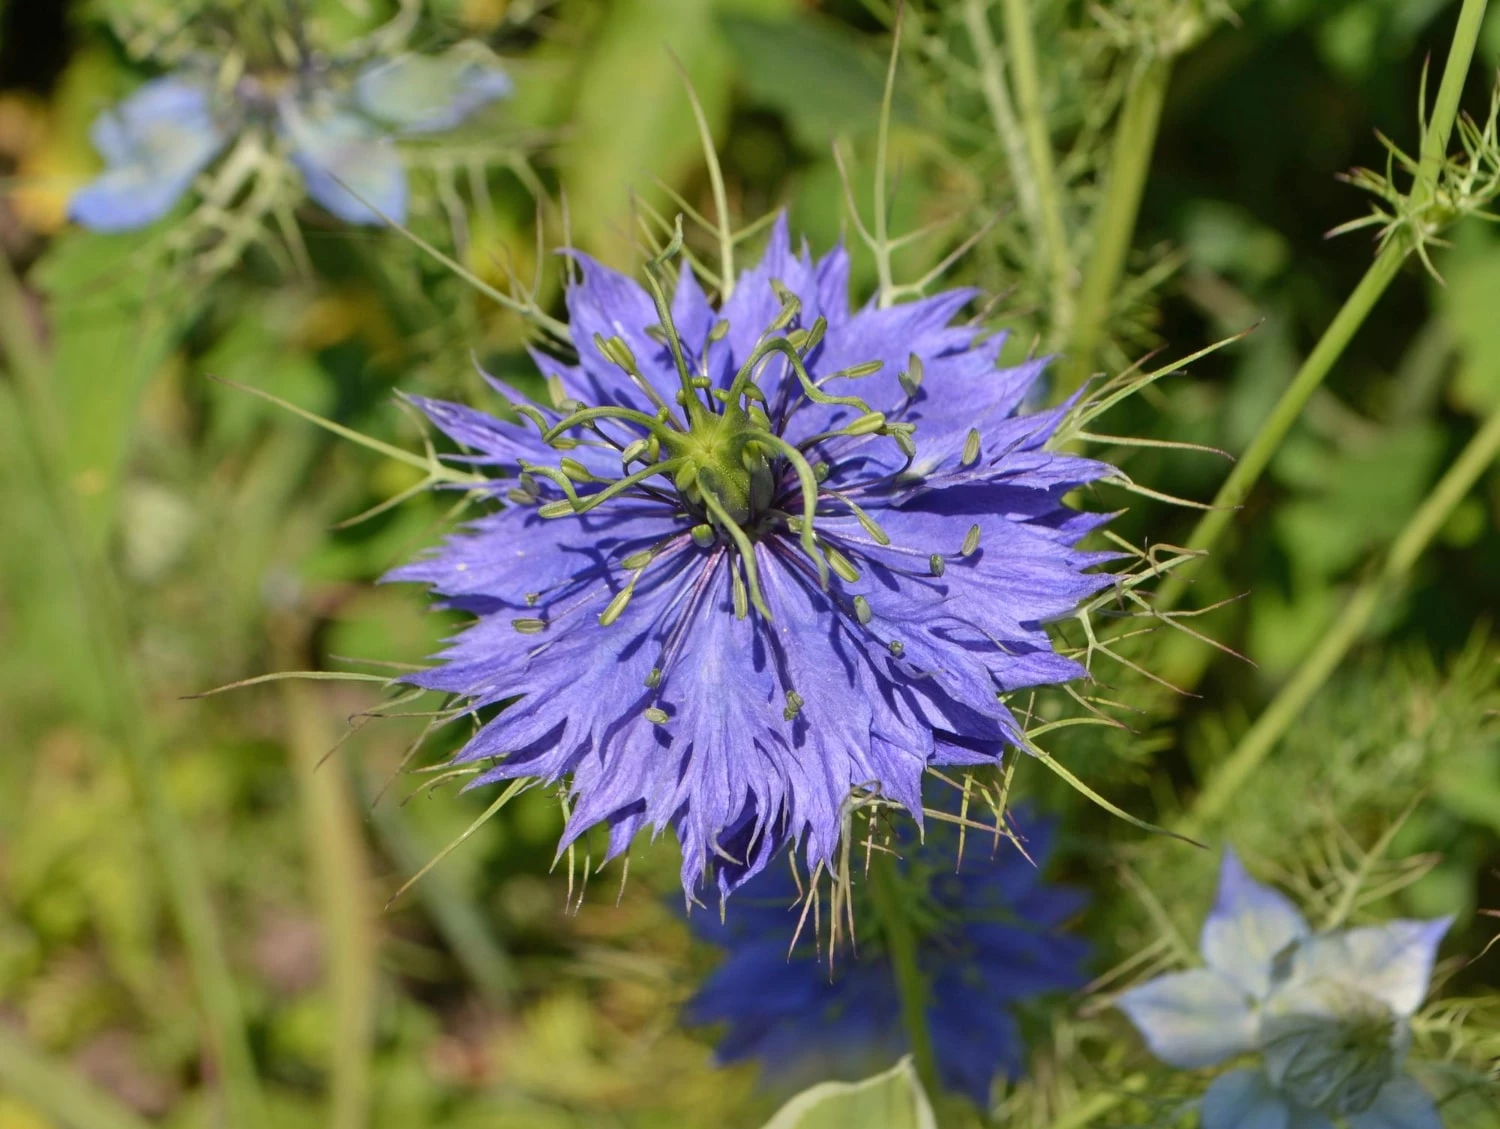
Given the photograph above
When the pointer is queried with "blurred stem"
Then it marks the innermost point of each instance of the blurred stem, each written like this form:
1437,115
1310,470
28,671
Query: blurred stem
901,943
1368,599
335,843
62,1095
1028,173
114,675
1344,326
1268,439
1052,236
452,911
1114,226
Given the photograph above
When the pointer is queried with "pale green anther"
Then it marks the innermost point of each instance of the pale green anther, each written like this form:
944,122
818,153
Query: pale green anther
575,470
862,610
656,716
798,338
914,369
686,476
740,595
902,437
841,565
560,508
528,482
868,523
815,334
704,536
701,382
971,448
908,385
555,392
864,368
613,609
564,443
971,542
653,449
519,496
623,356
936,565
529,626
821,471
657,334
533,599
867,424
758,418
718,331
632,452
896,648
653,680
793,706
638,560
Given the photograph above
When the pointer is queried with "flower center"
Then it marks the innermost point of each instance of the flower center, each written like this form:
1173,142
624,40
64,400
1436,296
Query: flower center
717,447
1331,1046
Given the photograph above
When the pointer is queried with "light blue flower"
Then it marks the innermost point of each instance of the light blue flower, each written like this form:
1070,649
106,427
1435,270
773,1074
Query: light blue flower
154,143
341,137
1329,1014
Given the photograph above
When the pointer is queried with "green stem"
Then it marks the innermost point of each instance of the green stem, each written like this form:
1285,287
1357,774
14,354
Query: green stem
901,944
341,879
1051,236
1013,139
1371,596
123,699
56,1091
1348,321
1268,439
1135,138
452,911
1445,109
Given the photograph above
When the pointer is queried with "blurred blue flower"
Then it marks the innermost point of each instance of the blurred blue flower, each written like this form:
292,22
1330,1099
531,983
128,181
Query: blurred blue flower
1329,1014
989,939
157,141
789,594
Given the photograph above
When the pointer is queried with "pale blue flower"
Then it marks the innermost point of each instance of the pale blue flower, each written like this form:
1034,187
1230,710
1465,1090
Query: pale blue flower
341,136
1328,1013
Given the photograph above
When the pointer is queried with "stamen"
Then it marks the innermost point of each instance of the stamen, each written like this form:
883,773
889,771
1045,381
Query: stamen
971,542
971,448
529,626
862,610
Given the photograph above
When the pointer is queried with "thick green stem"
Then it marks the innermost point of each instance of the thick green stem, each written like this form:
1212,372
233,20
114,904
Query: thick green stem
123,698
1052,236
911,987
1016,141
1348,321
341,879
1268,439
1114,227
1352,622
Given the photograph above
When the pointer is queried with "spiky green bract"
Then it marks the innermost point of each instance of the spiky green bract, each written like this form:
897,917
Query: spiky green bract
756,558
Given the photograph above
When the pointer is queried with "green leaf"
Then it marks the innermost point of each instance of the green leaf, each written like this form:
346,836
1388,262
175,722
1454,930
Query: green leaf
815,73
115,316
893,1100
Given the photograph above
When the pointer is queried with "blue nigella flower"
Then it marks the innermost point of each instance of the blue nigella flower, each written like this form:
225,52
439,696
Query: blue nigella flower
989,939
756,557
1328,1013
157,141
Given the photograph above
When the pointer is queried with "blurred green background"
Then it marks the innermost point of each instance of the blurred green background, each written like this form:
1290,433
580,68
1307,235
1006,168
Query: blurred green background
209,524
